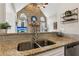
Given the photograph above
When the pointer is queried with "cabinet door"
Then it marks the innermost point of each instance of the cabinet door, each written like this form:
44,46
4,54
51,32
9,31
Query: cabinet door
53,52
76,50
73,51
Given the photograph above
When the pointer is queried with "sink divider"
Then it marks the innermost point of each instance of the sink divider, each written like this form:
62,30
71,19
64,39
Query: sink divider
38,44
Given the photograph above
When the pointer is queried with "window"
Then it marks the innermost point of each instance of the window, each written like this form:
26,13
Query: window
42,24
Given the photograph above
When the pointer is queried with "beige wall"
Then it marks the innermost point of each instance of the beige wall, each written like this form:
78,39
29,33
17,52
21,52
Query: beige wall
2,12
54,12
51,14
7,13
69,28
10,17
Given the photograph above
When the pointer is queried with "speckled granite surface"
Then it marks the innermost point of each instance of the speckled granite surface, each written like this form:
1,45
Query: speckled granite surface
9,47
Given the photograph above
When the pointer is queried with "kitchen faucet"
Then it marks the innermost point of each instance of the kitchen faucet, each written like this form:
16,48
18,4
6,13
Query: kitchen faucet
35,32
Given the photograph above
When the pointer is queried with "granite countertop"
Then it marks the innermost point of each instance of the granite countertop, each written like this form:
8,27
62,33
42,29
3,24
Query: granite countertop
26,33
60,41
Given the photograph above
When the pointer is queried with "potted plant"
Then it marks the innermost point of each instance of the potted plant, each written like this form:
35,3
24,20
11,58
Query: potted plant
4,27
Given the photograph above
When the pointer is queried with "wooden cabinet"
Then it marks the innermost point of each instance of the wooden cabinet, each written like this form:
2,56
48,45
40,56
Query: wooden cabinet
54,52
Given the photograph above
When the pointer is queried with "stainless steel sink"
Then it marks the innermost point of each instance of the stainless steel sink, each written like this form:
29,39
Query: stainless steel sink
43,43
32,45
26,46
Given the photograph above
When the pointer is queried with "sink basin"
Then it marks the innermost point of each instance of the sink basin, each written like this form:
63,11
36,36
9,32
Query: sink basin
37,44
26,46
43,43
